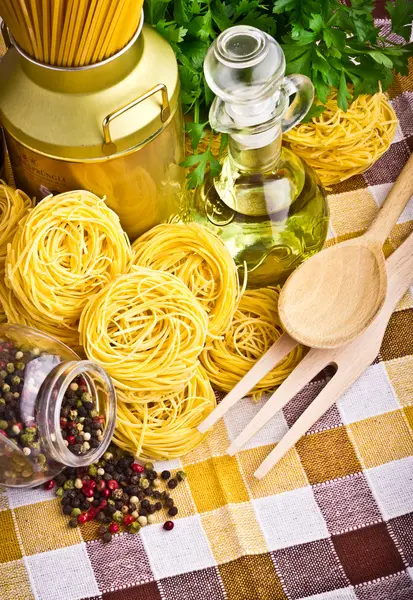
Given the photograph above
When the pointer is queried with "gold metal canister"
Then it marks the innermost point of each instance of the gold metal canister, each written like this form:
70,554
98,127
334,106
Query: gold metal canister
114,128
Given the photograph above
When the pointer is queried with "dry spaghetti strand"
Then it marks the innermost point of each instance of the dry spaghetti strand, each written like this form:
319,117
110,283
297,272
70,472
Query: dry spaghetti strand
147,330
200,259
165,429
66,249
340,144
255,327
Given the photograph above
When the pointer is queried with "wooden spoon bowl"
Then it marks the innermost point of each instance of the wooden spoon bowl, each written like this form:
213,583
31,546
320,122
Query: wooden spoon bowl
332,297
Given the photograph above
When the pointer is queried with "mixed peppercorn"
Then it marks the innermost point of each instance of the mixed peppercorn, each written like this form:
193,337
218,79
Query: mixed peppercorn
115,491
22,372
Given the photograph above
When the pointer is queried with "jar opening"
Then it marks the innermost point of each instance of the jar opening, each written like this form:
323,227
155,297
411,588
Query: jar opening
53,402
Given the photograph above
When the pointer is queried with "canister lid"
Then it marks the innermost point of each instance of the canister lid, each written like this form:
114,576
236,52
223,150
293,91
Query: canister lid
95,112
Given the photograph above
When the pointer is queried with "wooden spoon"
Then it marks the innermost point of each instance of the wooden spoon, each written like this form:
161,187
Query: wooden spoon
332,297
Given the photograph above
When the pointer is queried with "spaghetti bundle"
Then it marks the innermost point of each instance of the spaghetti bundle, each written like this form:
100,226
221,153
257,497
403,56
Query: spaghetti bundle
147,330
340,144
255,327
71,33
165,429
200,259
66,249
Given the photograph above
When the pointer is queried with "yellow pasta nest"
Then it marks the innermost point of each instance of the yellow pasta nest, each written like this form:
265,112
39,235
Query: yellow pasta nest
66,249
165,429
147,330
14,205
200,259
255,327
340,144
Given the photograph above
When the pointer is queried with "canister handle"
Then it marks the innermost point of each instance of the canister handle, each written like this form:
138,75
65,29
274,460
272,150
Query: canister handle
5,34
109,146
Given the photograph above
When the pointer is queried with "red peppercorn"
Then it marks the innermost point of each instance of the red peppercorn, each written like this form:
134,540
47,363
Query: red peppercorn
168,525
113,528
2,432
19,425
72,424
105,493
103,503
49,485
91,484
101,485
112,484
63,423
82,518
88,492
71,440
91,513
128,519
137,468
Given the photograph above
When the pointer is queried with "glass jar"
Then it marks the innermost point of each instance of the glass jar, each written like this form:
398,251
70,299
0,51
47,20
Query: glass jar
56,410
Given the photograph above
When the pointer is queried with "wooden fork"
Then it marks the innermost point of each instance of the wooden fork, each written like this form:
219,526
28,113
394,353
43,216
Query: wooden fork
351,361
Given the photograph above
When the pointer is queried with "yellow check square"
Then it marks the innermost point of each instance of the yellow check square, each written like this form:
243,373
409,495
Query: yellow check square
401,377
52,529
215,443
9,546
233,531
216,482
382,439
287,475
363,210
15,583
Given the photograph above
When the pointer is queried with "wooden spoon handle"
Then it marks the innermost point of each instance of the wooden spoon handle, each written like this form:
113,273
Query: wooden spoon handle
396,200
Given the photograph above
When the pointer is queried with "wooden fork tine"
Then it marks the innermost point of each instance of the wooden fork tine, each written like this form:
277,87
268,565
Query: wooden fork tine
341,380
277,352
308,368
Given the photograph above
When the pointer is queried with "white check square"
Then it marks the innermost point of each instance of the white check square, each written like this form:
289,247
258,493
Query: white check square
238,417
183,549
64,573
341,594
392,486
22,497
290,518
371,395
379,193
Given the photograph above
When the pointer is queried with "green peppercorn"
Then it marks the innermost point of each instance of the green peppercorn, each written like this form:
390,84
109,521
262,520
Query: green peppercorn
75,512
41,459
93,414
5,387
59,492
92,471
2,401
78,403
144,483
3,373
181,475
108,456
20,366
110,501
15,380
3,424
31,430
26,438
69,484
134,527
149,466
118,516
86,397
10,367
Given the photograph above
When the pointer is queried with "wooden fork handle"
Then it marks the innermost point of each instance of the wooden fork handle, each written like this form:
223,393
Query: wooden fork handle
277,352
396,200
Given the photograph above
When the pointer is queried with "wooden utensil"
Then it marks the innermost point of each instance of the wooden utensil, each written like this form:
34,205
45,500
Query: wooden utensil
334,296
351,361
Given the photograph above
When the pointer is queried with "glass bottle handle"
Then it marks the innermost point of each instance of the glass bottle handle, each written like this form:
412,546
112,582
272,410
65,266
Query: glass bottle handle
301,86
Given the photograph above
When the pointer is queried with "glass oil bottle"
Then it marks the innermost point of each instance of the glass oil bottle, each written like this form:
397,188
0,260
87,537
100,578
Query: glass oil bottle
267,204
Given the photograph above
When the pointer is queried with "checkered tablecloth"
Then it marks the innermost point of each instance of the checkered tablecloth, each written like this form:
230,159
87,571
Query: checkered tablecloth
332,521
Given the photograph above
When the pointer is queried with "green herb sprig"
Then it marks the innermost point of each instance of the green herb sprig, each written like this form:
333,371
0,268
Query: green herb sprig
334,44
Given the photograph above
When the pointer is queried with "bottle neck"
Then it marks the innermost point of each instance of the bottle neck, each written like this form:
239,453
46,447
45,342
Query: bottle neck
49,406
255,153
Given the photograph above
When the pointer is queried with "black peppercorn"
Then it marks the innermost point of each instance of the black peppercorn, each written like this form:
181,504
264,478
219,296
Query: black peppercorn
67,509
100,517
96,503
107,537
151,509
169,503
165,474
75,503
158,506
85,505
143,512
110,509
73,522
172,483
173,511
156,494
145,503
60,479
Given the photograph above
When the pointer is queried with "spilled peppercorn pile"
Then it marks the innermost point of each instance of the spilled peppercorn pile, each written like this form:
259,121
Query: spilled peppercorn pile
115,491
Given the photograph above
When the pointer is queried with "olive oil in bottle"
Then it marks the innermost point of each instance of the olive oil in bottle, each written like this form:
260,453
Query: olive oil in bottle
267,204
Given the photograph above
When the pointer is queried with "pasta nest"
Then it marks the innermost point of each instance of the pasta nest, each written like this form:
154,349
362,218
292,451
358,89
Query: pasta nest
255,327
166,428
147,330
339,144
65,250
201,260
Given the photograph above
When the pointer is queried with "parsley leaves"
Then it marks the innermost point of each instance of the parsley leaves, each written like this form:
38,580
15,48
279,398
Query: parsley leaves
335,44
